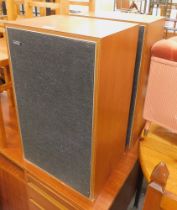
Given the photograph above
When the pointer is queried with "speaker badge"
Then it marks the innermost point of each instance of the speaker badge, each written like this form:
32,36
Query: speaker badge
16,42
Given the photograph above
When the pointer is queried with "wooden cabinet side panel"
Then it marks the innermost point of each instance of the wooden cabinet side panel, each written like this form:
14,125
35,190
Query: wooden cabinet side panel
154,32
112,102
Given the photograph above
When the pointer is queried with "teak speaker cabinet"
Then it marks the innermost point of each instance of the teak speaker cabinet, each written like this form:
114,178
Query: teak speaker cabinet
151,29
73,87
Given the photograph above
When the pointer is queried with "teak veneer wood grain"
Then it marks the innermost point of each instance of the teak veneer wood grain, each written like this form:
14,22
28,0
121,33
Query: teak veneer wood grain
111,91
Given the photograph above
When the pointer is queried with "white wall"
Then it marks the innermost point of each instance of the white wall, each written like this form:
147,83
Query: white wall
104,5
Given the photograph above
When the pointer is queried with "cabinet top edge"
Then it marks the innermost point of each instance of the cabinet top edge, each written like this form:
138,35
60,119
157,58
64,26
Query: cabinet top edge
121,16
79,26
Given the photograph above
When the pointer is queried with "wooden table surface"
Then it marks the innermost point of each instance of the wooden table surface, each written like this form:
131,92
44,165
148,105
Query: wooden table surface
161,145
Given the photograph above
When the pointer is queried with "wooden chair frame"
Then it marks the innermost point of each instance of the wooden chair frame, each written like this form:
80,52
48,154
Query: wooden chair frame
60,7
156,188
90,4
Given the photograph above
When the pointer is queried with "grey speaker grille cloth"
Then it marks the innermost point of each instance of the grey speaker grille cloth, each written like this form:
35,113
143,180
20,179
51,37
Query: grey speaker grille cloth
135,83
54,79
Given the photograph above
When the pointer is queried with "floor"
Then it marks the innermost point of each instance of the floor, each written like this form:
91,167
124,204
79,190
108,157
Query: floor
140,207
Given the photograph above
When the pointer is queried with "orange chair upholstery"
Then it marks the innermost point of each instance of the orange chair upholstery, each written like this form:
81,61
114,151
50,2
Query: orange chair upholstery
161,98
166,49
